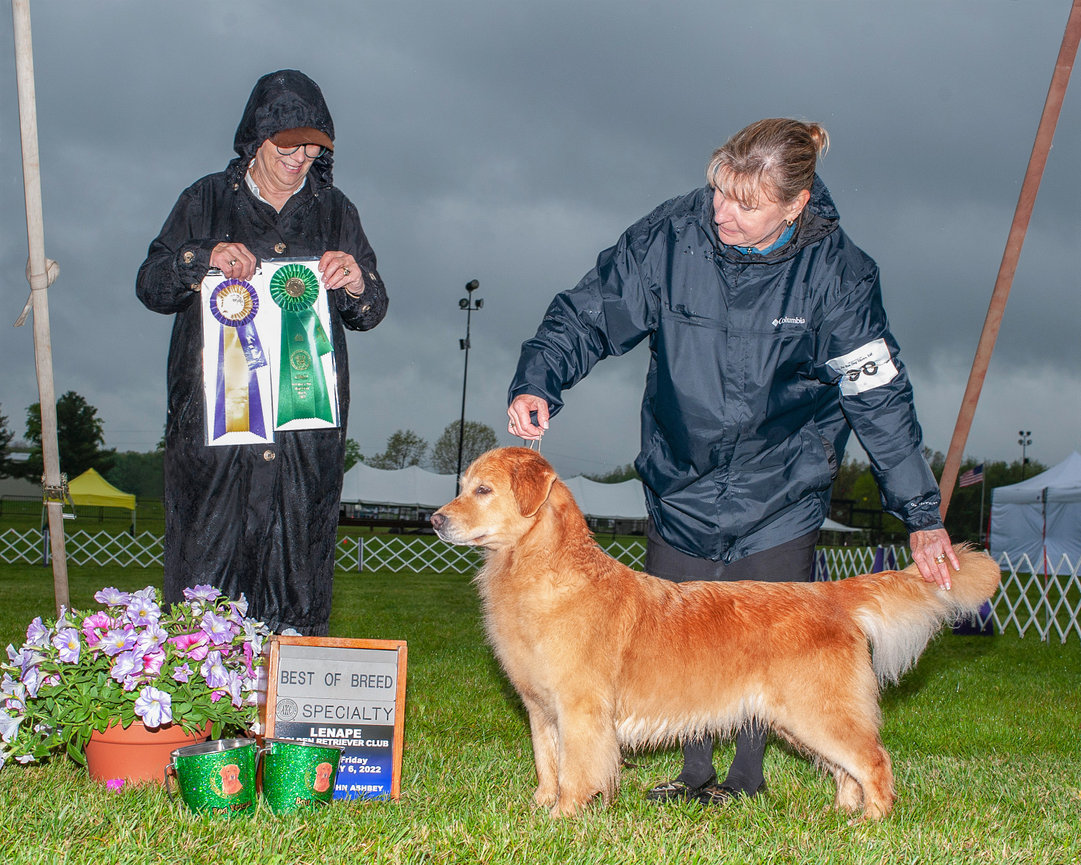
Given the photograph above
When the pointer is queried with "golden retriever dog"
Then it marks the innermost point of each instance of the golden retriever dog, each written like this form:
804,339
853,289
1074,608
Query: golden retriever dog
606,657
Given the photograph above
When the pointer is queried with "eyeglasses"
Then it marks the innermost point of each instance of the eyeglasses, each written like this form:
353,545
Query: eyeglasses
311,151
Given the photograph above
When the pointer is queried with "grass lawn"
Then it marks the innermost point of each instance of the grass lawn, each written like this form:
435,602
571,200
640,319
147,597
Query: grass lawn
984,736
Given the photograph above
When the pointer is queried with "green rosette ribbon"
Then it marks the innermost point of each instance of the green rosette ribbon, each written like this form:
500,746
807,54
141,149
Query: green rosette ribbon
302,387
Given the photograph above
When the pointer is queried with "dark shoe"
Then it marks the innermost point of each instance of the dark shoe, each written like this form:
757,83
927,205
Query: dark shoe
721,794
677,791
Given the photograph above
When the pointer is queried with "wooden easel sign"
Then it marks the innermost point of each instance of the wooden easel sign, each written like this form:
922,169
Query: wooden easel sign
349,693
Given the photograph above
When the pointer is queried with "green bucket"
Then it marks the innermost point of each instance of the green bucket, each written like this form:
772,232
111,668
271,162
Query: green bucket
216,777
298,774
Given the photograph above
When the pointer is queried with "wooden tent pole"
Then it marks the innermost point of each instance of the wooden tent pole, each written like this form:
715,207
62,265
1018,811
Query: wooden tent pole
1045,134
37,273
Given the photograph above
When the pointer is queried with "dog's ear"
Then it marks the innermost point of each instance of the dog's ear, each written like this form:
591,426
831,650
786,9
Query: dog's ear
531,483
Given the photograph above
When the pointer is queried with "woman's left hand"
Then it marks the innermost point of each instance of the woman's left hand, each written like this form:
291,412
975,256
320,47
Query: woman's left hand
340,270
933,554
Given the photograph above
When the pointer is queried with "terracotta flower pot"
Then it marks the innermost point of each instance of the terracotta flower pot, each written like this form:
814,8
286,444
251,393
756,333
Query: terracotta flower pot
136,754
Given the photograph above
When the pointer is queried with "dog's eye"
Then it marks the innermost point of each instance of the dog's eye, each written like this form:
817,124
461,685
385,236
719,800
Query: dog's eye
482,490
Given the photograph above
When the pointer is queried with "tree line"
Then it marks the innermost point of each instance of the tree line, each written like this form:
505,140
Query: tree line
855,502
80,434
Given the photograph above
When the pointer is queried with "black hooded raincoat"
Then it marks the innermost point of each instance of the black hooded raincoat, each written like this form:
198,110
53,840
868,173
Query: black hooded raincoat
256,520
760,364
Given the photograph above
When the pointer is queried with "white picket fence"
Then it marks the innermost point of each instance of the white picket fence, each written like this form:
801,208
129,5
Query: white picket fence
1028,601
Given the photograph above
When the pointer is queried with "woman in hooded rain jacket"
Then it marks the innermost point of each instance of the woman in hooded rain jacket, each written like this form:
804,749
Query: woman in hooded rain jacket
768,341
260,521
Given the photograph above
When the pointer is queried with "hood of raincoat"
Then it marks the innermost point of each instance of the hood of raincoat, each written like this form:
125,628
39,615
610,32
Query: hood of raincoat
282,100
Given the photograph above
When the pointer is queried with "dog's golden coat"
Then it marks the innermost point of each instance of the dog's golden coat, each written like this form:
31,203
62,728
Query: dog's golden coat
604,656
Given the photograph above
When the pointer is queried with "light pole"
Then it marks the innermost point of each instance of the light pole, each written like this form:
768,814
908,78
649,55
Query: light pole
1024,441
467,303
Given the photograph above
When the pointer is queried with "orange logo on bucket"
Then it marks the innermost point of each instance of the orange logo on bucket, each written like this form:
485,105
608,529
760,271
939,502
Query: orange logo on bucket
322,777
230,780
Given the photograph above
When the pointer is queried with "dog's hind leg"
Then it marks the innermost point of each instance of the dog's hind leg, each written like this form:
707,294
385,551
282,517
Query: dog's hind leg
849,744
838,720
869,769
876,779
543,732
849,793
588,756
848,741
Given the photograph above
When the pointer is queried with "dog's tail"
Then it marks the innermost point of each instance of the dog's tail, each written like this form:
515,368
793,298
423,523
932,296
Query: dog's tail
899,611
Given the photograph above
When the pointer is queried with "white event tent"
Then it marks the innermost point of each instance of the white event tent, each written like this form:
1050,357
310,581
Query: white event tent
408,487
415,487
1040,517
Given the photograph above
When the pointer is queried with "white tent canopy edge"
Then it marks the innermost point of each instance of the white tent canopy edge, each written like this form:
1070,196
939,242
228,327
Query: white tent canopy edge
415,487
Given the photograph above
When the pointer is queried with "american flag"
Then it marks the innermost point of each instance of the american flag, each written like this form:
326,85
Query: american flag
973,476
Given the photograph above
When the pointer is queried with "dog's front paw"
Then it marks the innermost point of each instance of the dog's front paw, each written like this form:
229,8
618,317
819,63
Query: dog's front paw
568,806
545,797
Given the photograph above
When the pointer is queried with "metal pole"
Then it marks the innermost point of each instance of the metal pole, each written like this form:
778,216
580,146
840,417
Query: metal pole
467,304
1045,135
1048,612
461,420
37,274
983,536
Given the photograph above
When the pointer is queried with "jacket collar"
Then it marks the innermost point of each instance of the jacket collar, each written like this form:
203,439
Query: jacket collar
819,219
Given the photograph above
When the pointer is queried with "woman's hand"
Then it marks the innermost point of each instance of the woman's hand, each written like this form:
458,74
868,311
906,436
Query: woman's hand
234,260
933,554
521,425
340,270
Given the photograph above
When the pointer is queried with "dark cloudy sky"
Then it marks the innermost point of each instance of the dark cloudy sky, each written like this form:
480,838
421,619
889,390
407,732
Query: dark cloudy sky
510,142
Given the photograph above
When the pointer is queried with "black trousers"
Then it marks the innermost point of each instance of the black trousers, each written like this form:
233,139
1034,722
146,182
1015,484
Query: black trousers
792,561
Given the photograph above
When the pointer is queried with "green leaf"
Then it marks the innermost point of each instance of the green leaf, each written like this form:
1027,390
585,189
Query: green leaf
76,753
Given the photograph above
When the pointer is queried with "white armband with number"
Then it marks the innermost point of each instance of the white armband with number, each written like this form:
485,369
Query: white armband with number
868,367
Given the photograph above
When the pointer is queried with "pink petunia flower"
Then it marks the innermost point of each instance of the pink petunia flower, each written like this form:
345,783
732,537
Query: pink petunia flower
95,626
152,664
194,646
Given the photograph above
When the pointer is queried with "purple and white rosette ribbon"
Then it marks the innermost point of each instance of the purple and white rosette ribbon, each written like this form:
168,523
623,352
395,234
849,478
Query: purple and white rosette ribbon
234,303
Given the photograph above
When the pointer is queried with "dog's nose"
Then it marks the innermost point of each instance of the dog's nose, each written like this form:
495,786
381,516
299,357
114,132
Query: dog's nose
437,520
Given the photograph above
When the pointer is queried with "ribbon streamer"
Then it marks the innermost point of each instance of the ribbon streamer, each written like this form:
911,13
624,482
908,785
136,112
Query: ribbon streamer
238,406
302,386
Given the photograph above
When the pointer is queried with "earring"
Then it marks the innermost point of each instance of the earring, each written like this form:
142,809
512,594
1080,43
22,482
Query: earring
788,222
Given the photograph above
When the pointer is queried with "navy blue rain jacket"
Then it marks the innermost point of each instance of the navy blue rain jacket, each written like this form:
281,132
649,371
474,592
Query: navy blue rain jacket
759,365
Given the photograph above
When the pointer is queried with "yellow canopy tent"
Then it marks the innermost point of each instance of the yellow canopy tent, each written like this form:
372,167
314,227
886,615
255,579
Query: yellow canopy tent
90,488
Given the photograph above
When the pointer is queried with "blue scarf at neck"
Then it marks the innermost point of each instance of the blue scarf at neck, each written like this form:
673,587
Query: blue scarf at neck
786,236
